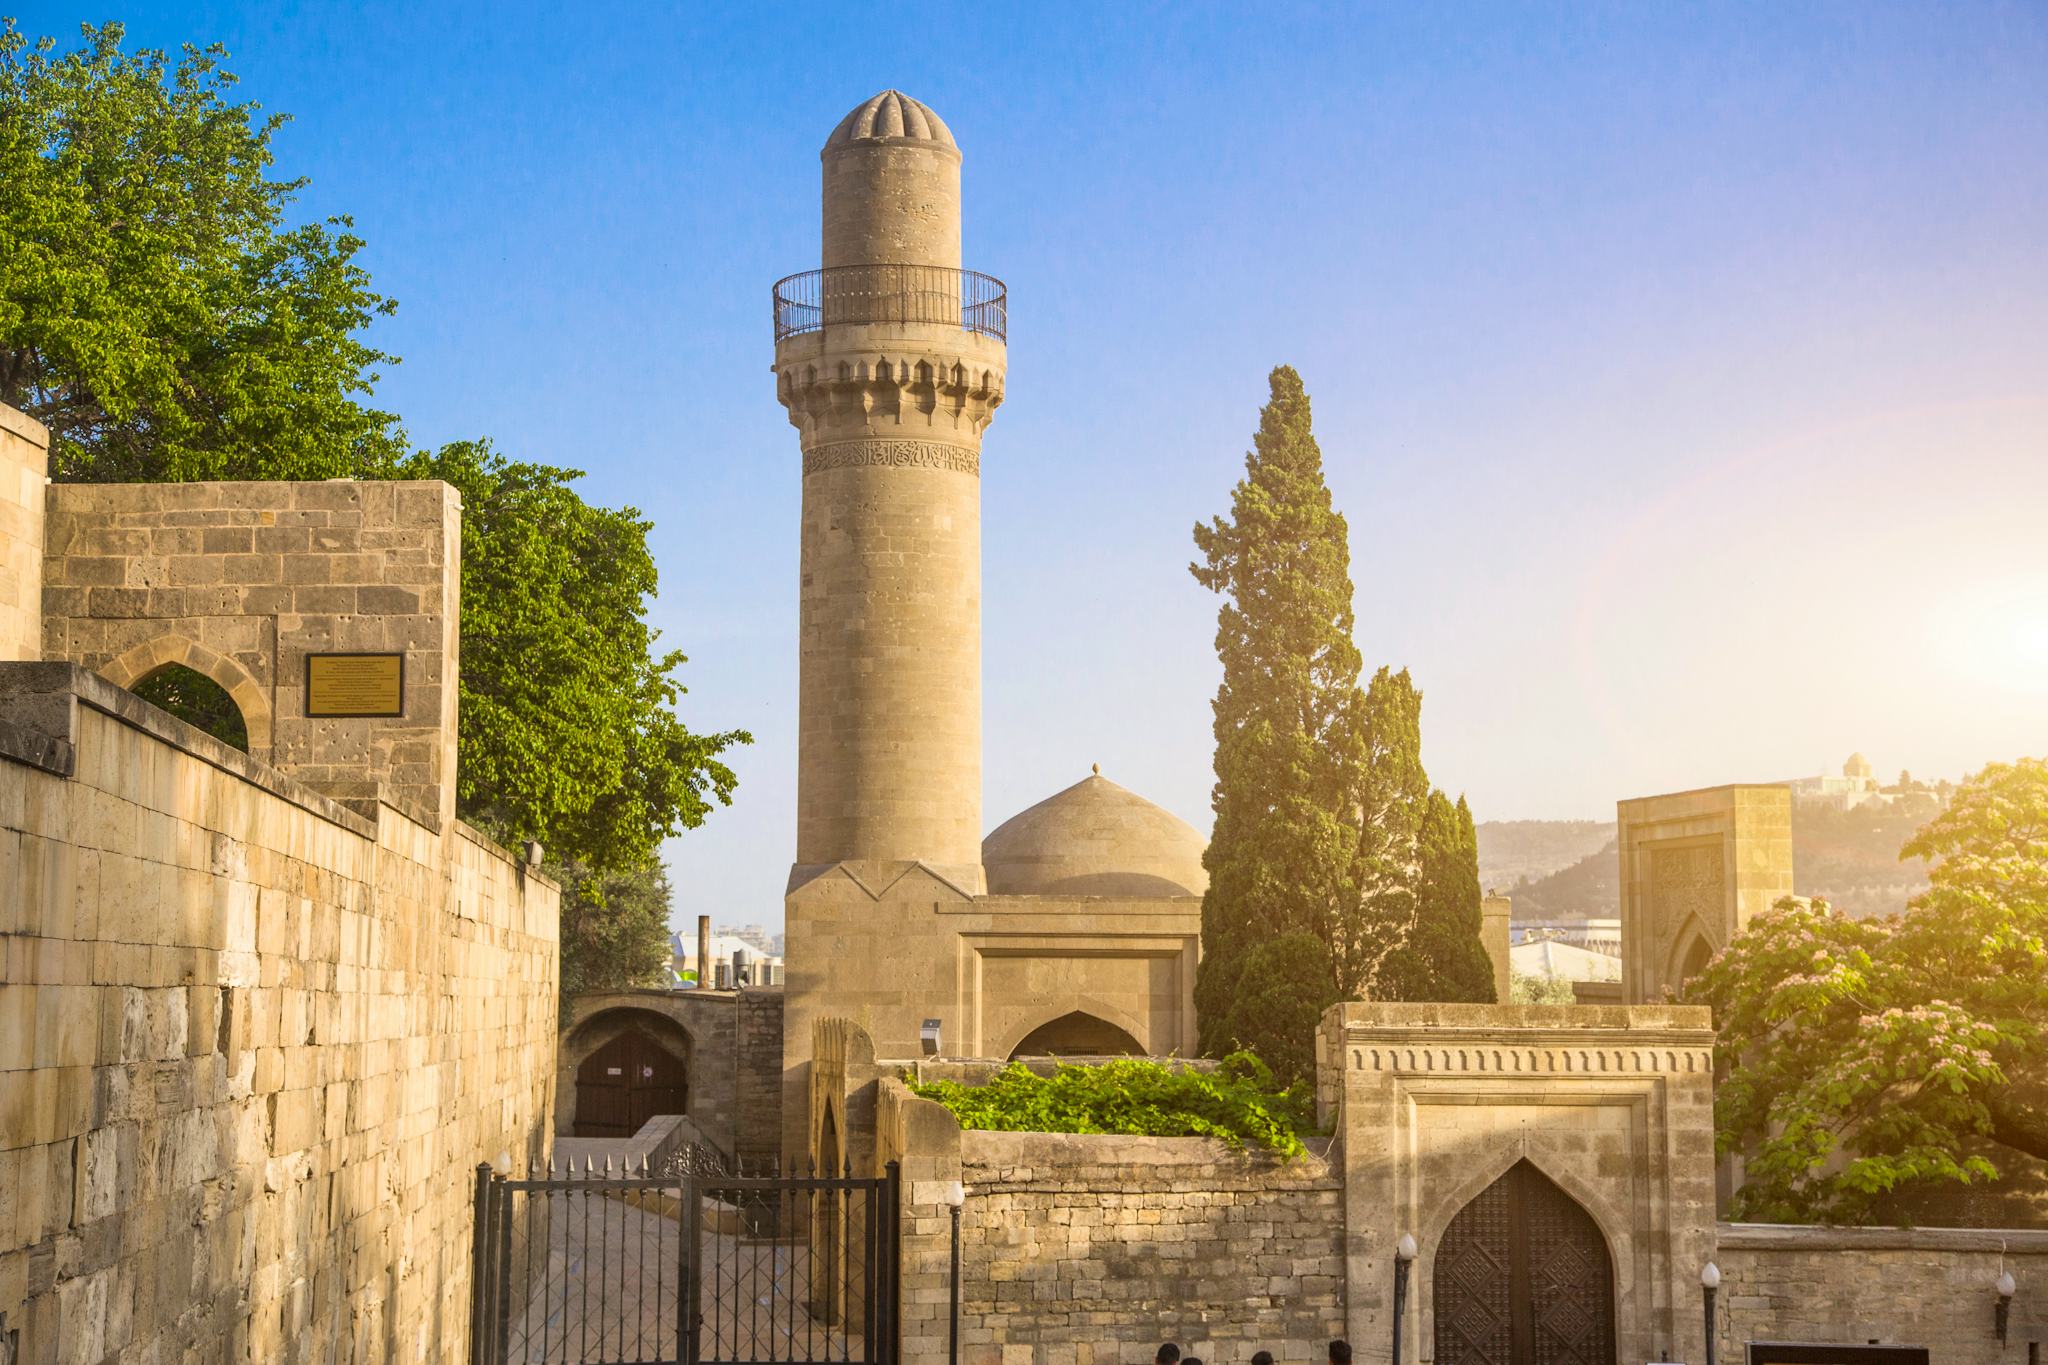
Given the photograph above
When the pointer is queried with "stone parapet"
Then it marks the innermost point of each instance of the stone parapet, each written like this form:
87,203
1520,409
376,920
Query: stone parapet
252,1046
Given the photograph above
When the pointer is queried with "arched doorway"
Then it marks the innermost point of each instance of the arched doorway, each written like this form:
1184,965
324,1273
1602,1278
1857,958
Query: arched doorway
1523,1277
1078,1034
626,1082
197,700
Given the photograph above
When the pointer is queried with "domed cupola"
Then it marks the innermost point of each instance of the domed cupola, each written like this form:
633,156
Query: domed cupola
891,114
1094,839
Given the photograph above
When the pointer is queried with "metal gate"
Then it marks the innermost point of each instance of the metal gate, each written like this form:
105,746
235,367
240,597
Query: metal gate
689,1267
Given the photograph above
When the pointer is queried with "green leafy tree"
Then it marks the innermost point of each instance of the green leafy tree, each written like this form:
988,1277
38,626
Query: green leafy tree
161,315
157,312
568,733
1320,793
1525,988
1279,997
614,928
1867,1057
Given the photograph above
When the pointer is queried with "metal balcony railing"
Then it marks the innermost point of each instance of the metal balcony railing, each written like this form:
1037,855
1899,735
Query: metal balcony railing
933,294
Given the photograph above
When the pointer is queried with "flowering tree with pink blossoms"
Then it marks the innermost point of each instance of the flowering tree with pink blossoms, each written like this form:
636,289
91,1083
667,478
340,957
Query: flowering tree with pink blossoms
1862,1057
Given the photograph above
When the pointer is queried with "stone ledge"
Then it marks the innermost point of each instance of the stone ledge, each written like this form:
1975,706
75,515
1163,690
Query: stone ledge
1436,1024
18,423
39,698
1070,1152
491,846
1801,1237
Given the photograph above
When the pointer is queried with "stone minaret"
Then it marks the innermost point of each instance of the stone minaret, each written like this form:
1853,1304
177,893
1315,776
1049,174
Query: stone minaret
890,361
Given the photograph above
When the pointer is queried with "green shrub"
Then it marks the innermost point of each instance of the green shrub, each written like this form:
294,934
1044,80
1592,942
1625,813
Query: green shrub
1237,1101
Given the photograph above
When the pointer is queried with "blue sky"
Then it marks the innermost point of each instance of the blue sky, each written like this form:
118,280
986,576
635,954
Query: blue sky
1683,370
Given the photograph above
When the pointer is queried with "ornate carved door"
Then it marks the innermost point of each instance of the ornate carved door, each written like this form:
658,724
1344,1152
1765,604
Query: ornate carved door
1523,1278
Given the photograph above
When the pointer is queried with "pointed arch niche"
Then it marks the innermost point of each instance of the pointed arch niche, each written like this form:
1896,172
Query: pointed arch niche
1078,1033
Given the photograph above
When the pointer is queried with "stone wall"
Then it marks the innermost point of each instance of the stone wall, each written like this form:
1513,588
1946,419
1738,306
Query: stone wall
1091,1249
1086,1249
252,1046
1928,1287
757,1128
24,479
241,581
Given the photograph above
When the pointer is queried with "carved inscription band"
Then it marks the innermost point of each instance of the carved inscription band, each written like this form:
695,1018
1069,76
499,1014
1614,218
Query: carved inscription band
910,454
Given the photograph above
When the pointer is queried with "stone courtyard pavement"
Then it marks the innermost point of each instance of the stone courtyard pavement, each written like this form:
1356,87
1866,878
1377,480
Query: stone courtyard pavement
609,1290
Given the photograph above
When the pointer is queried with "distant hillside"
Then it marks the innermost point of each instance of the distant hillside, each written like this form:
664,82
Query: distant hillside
1588,889
1850,857
1511,851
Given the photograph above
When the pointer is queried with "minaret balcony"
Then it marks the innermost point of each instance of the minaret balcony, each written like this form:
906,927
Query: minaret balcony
884,295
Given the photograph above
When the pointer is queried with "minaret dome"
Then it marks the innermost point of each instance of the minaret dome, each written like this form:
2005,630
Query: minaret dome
892,187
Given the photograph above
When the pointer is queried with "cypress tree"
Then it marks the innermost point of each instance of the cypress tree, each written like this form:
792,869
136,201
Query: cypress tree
1443,958
1281,856
1335,872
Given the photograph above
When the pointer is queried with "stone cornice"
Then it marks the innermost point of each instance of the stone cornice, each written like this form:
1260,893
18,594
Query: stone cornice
1560,1052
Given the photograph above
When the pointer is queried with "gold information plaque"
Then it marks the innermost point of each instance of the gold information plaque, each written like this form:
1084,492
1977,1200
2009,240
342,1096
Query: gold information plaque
352,685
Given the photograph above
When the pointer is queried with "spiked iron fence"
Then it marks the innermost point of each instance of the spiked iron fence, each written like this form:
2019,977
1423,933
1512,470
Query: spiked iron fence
701,1264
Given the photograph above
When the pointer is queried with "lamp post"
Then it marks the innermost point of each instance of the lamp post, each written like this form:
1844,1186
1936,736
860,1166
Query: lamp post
956,1195
1404,1261
2002,1316
1710,1280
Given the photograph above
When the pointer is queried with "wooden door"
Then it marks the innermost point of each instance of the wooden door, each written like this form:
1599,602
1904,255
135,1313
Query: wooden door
1523,1278
627,1082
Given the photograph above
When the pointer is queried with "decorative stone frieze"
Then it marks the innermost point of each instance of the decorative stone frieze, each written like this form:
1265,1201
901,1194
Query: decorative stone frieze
893,455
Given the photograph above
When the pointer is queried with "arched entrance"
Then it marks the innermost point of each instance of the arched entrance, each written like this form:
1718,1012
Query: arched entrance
1523,1277
1078,1034
626,1082
197,700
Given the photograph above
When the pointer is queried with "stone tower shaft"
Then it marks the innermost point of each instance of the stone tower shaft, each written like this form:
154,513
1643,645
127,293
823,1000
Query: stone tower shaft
890,362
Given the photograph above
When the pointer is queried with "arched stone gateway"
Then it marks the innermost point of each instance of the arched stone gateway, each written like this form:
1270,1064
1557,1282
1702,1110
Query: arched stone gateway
626,1082
1524,1277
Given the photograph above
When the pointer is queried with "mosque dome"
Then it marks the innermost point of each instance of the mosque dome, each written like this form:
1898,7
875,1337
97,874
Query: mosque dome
1094,839
891,114
1857,766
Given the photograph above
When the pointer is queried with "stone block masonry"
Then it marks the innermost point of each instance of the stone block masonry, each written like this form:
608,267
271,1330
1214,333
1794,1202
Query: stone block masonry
241,581
1930,1287
252,1045
1089,1249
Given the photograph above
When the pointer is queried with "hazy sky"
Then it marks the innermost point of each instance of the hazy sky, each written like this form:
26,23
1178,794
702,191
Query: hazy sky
1683,371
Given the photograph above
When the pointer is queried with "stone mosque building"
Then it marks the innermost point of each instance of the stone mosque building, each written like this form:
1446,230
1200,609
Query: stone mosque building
1074,926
